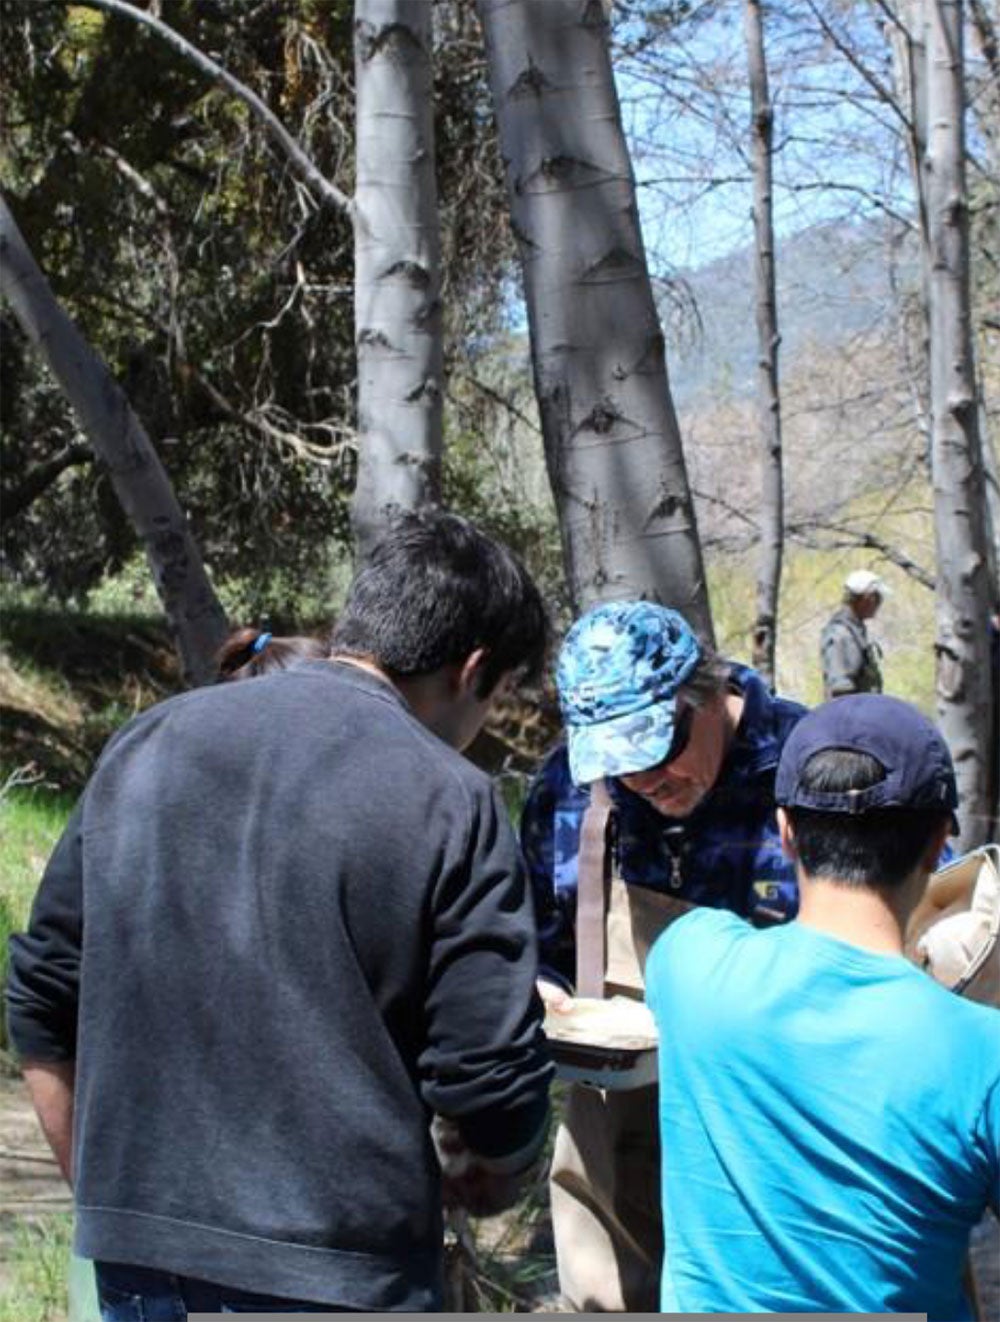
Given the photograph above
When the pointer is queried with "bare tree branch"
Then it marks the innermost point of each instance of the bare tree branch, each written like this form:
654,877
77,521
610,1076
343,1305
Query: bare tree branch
802,531
323,189
829,186
734,510
849,538
987,34
14,500
883,93
498,398
259,420
128,172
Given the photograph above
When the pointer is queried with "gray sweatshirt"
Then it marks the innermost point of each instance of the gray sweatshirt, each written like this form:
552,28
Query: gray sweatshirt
284,925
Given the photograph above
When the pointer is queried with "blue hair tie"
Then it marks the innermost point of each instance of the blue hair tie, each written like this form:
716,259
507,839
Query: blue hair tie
260,642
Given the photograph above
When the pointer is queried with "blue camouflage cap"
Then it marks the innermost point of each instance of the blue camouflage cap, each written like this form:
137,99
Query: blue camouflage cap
618,674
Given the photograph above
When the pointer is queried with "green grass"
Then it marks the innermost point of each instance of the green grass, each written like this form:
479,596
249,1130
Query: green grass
69,679
38,1266
31,821
37,1290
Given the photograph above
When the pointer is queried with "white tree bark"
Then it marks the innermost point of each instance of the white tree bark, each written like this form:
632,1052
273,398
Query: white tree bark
965,686
612,443
908,45
397,261
121,443
397,266
771,516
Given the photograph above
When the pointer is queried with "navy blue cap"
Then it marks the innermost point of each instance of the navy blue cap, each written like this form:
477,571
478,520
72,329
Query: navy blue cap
918,766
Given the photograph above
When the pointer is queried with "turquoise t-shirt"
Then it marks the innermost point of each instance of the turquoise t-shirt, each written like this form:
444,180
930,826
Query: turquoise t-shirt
830,1121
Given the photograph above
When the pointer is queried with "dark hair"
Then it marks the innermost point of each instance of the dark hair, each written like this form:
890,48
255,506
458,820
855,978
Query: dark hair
877,848
434,589
242,655
707,681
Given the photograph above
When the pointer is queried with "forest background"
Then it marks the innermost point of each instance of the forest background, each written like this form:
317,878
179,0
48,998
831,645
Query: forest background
220,291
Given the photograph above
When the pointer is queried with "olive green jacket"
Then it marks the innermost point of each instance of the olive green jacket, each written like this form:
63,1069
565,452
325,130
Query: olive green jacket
851,660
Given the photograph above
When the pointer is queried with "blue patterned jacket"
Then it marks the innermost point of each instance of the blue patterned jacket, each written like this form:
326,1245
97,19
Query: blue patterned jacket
726,854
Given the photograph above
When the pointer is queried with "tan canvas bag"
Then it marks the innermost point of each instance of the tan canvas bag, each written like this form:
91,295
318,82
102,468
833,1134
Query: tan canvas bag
616,925
954,933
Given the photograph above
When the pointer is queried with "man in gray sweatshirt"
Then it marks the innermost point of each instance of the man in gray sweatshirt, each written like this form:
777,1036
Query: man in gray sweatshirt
285,925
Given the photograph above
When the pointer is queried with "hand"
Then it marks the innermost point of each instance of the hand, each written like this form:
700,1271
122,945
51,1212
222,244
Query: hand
465,1182
554,997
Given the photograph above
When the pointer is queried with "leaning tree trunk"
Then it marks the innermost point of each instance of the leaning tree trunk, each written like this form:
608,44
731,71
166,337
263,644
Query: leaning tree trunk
965,692
612,443
771,517
397,278
121,443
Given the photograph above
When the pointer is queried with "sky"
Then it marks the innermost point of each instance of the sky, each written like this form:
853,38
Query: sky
686,110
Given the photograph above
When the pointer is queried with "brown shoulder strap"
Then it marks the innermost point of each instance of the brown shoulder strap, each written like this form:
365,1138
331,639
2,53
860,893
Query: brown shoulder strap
593,871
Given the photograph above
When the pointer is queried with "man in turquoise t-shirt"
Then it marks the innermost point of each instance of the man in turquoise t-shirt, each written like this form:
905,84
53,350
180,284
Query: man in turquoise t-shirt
830,1115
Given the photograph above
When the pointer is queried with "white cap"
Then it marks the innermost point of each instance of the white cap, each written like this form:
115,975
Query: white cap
863,583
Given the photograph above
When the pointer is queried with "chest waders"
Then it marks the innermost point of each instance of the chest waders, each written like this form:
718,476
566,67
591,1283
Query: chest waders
605,1181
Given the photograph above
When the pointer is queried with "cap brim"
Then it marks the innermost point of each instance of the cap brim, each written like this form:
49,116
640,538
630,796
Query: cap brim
621,745
877,589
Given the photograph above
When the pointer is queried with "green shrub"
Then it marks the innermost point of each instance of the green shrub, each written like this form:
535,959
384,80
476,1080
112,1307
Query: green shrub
31,822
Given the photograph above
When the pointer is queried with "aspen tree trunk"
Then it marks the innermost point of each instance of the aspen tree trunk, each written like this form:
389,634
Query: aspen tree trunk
908,46
121,443
397,266
965,692
771,516
991,477
612,444
984,25
394,213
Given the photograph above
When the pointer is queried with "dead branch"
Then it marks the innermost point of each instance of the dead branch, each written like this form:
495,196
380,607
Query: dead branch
260,420
502,400
28,774
16,499
882,92
851,538
323,189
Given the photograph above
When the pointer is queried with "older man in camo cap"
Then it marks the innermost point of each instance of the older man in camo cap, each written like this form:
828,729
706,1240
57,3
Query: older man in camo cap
682,747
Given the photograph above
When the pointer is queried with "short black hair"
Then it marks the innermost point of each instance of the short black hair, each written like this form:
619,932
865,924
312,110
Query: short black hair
877,848
434,589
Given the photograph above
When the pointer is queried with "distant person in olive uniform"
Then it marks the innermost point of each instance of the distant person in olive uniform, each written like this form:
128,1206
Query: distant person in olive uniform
851,660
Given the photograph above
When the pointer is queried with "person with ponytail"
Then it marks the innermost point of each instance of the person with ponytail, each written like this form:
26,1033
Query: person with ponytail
286,925
249,652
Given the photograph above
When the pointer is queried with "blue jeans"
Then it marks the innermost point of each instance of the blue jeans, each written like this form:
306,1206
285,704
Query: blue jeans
140,1294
